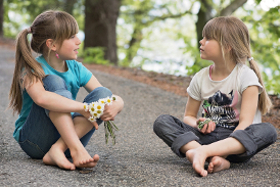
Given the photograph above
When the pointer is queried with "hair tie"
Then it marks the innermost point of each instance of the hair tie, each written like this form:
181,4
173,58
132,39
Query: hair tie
29,30
251,58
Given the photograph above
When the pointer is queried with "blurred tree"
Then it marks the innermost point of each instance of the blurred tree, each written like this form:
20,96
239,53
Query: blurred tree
140,19
69,6
142,14
264,27
1,17
100,26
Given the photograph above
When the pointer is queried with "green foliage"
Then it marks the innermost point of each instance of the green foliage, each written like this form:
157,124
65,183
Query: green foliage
140,22
19,14
138,17
94,55
265,43
199,63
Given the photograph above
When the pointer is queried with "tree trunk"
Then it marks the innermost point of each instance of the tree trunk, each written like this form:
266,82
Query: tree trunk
134,44
1,17
100,26
204,15
69,6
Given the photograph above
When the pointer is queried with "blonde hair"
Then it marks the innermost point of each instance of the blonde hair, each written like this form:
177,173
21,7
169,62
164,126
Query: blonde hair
55,25
231,33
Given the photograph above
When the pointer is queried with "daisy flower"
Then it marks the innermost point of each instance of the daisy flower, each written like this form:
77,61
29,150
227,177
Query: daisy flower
86,107
91,107
91,119
99,106
109,100
96,110
103,101
99,113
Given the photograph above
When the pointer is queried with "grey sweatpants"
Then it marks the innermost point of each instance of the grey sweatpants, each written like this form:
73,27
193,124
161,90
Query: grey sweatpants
176,133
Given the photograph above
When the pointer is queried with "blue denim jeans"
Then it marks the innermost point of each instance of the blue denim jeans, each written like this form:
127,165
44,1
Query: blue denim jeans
38,133
176,133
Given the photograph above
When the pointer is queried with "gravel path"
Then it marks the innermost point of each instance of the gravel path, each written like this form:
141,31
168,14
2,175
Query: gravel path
138,159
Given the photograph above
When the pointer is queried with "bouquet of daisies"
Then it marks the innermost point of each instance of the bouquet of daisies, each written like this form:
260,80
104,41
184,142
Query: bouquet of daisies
96,110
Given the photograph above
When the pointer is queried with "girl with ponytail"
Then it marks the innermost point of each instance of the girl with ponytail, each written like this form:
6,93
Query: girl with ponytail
233,99
51,125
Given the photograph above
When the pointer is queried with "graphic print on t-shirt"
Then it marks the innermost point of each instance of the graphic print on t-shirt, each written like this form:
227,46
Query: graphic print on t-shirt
220,108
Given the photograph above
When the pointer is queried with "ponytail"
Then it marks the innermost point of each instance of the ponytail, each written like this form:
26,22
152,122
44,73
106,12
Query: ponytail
26,68
264,101
55,25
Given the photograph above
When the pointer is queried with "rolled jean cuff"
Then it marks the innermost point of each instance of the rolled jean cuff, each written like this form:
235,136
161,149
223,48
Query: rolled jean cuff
64,93
182,140
246,140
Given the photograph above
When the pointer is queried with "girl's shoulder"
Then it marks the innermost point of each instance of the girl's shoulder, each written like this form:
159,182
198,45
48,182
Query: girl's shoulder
247,77
246,72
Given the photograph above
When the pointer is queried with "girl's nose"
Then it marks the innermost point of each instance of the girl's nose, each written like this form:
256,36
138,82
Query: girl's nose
201,41
78,42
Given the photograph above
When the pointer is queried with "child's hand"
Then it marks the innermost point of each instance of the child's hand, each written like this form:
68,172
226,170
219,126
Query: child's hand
109,112
87,114
205,125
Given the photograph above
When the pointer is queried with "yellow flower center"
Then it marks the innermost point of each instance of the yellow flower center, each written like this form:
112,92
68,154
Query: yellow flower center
98,107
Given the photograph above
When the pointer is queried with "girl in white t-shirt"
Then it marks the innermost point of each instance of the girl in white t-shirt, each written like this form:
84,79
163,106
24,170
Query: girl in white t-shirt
232,97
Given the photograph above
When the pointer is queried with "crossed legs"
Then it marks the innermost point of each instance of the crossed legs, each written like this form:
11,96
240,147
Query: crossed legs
71,131
214,153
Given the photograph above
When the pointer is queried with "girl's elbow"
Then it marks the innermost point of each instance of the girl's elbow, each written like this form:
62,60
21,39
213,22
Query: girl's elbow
41,101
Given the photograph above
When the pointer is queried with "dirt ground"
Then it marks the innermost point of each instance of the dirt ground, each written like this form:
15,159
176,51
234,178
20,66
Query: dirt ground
171,83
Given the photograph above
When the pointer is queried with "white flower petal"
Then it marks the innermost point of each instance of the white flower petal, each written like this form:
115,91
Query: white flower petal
91,119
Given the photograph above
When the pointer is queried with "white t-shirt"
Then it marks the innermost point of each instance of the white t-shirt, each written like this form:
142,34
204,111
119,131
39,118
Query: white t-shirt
221,100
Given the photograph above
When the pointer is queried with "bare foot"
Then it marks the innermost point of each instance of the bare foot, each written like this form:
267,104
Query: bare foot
217,164
197,157
56,157
82,159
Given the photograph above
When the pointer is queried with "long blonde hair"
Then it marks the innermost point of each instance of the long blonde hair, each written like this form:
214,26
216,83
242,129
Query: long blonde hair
55,25
231,32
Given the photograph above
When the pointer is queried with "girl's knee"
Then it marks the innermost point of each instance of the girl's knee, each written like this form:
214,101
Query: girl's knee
103,92
271,132
56,84
53,83
265,131
98,93
161,122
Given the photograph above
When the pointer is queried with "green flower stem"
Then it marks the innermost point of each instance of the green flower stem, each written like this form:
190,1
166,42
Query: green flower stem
110,128
202,123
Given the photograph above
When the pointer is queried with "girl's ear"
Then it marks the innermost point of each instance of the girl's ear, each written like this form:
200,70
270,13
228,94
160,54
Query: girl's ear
228,48
51,45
